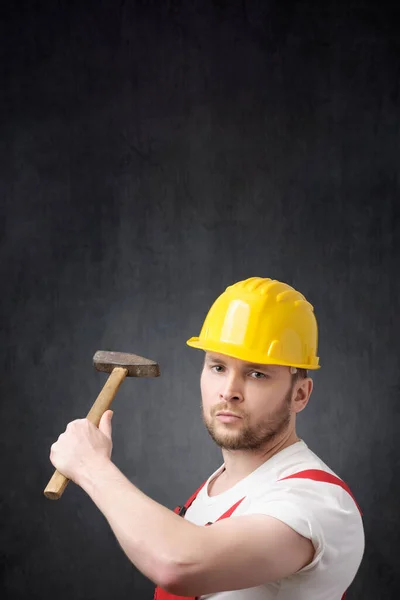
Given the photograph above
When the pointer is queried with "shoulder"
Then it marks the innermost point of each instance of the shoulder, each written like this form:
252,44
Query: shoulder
306,484
318,508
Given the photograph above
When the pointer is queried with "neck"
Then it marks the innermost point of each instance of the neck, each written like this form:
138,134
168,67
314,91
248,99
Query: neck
240,463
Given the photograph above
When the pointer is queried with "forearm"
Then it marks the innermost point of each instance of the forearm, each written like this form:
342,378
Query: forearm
154,538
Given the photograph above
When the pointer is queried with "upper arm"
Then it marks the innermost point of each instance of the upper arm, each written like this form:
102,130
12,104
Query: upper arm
240,553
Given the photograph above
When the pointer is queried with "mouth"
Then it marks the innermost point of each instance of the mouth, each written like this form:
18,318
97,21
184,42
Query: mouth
227,417
225,413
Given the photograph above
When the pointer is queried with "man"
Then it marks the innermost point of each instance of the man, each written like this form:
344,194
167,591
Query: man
273,521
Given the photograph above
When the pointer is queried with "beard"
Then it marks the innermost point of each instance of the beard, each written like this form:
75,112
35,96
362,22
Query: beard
251,437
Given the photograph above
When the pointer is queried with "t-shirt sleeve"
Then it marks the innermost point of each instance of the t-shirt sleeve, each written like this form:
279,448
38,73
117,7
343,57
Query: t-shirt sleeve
305,507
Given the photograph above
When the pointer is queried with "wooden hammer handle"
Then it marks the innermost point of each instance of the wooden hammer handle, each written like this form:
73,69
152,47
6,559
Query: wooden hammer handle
58,482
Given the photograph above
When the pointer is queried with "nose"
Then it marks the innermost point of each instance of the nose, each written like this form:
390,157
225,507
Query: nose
231,390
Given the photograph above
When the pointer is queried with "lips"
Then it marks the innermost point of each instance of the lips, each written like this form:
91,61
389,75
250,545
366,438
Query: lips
224,413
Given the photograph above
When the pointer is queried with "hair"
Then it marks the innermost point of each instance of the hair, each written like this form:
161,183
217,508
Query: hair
300,374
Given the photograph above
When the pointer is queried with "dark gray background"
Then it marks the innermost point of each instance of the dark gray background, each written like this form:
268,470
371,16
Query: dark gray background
151,154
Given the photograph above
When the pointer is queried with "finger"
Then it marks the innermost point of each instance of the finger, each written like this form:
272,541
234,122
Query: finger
105,424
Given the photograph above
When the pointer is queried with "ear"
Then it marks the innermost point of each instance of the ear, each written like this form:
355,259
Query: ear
303,392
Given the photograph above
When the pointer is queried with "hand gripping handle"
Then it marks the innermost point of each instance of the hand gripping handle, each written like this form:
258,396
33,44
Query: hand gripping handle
58,482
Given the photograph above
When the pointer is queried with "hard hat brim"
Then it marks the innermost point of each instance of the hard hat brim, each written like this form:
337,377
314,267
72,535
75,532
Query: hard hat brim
237,352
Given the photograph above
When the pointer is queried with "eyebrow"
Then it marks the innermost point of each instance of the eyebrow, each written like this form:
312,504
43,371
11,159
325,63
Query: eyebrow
256,366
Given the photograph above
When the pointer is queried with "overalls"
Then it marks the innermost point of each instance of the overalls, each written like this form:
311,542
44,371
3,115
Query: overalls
315,474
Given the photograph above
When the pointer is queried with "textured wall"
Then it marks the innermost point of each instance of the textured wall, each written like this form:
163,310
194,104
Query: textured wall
151,154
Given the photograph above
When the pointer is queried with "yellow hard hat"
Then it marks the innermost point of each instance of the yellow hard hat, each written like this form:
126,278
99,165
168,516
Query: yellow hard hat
262,321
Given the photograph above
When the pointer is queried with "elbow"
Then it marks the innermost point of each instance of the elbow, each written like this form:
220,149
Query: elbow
163,573
170,580
171,584
174,578
183,568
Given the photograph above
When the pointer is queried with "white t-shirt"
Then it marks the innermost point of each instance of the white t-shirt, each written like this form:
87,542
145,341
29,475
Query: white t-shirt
323,512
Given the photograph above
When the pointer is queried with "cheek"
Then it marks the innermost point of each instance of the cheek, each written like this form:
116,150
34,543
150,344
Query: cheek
208,389
203,385
203,388
261,400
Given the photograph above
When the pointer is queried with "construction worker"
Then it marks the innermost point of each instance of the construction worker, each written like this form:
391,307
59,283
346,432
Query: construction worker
273,521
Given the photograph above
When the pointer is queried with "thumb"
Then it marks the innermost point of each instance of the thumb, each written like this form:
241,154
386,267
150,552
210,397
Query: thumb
105,423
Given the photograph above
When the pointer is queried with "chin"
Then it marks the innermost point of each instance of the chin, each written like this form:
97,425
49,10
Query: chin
225,441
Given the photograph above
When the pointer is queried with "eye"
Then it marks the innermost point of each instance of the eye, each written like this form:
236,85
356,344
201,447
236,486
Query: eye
258,375
216,368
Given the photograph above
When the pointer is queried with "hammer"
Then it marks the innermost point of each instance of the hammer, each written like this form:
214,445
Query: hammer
120,365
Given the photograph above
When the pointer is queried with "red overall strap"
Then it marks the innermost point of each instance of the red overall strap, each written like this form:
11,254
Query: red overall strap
324,476
191,499
230,510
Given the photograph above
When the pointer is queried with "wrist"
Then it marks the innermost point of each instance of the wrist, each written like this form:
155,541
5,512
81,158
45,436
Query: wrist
92,471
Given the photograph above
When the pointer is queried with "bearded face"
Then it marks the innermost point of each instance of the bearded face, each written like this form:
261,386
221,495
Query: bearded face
260,401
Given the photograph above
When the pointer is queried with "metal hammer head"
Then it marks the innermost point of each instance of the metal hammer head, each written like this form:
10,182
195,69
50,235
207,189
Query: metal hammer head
137,366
